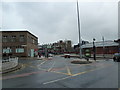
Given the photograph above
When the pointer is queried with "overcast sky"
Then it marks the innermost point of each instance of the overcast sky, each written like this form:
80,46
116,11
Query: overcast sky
53,21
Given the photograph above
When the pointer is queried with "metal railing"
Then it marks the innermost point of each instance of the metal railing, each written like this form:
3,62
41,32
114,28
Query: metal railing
8,59
9,63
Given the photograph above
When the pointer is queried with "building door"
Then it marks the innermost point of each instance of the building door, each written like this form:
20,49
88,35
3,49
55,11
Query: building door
32,53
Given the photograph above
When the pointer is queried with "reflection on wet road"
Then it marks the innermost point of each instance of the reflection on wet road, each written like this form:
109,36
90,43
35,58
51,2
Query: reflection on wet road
60,73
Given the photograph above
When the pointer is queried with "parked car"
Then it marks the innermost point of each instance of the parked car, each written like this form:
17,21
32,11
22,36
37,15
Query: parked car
67,55
50,55
116,57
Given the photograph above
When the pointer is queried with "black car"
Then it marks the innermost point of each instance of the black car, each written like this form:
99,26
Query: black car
116,57
67,55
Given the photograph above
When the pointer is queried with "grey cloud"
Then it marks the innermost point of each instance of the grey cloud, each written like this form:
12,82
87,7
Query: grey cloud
54,21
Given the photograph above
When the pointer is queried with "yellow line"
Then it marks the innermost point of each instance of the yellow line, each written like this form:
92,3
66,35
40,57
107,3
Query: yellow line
68,70
73,75
83,72
55,72
89,70
61,73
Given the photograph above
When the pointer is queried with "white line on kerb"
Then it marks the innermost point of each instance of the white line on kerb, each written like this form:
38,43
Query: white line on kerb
57,80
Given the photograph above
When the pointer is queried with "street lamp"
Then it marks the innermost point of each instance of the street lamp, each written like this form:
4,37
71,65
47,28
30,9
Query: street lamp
79,30
94,49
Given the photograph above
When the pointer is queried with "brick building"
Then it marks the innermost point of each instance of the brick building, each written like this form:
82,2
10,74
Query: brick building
59,47
19,43
109,47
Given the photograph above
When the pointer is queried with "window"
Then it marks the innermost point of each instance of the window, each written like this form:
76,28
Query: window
33,41
7,50
29,39
19,50
36,42
22,38
5,38
13,38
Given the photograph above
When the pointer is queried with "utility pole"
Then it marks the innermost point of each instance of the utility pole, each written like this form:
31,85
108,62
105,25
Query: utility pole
79,30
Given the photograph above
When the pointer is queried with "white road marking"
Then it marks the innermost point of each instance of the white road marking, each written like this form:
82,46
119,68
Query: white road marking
39,66
42,63
57,80
51,66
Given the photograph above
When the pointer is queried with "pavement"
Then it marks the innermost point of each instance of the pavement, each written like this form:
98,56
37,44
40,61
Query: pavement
19,66
12,69
60,73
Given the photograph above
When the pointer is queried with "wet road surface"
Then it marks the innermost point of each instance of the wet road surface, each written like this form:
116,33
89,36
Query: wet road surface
60,73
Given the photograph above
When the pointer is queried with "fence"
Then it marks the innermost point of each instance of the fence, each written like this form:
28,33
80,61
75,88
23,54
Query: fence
9,63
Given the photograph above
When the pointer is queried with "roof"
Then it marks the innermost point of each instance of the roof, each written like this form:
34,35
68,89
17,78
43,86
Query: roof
21,31
100,44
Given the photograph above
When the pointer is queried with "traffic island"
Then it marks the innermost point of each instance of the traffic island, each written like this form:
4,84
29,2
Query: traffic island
80,62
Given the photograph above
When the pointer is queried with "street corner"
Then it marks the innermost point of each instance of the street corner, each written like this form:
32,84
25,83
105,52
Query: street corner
18,67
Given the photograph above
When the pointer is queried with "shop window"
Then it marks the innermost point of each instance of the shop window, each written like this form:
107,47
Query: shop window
19,50
7,50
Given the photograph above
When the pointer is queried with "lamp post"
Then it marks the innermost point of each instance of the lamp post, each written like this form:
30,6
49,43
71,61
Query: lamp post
79,30
103,47
94,49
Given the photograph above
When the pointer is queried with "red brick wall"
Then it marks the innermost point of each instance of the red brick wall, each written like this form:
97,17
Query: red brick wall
107,50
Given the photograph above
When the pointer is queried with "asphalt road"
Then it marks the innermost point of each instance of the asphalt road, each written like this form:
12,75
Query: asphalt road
60,73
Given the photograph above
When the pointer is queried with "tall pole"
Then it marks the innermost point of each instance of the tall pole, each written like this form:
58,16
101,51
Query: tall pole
79,30
94,50
103,47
